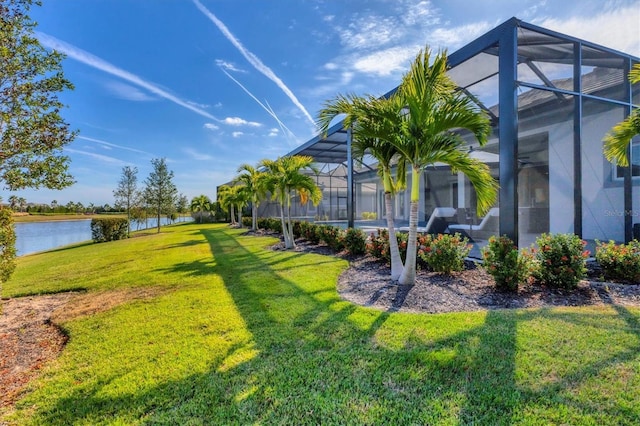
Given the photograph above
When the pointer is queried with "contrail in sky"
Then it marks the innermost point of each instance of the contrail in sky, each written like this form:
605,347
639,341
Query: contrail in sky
98,63
269,111
113,145
253,59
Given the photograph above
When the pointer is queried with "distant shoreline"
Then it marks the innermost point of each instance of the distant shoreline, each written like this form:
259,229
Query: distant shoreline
58,217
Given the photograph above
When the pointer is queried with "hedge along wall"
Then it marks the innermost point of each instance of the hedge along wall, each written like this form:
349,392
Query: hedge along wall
108,229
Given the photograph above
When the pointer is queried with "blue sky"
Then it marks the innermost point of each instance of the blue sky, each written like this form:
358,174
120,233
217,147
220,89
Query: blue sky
212,84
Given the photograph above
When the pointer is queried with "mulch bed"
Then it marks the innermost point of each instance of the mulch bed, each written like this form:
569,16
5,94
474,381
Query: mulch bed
367,282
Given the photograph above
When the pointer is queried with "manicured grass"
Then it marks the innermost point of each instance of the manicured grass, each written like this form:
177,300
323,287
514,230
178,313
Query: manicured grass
244,335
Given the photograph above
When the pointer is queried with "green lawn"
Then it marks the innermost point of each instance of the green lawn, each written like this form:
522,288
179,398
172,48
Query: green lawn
243,335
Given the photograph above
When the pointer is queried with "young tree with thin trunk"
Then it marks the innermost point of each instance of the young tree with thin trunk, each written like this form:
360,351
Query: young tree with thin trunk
160,193
284,178
433,111
226,199
200,205
253,180
182,205
127,192
374,124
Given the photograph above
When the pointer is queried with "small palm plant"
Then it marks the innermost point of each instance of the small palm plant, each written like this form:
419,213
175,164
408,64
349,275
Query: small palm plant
284,177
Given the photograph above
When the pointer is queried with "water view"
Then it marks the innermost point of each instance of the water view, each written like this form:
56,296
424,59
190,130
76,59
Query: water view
32,237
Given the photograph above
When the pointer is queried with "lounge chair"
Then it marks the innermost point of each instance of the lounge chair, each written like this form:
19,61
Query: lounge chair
437,222
487,227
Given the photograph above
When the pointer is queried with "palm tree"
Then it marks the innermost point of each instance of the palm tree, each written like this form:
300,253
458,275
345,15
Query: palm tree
225,198
284,177
13,202
254,181
200,205
618,139
433,113
374,124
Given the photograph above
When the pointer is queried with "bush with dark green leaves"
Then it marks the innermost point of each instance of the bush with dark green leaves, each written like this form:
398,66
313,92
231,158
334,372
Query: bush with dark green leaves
355,241
619,262
505,263
108,229
332,236
7,245
560,260
444,253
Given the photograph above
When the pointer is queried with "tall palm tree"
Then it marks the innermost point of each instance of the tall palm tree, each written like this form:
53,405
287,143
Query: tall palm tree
434,110
618,139
13,202
284,177
374,123
253,180
200,204
226,196
241,197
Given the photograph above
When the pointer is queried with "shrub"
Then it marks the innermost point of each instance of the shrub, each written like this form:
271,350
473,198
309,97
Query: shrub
247,222
310,232
560,260
270,224
108,229
355,241
378,245
7,245
369,215
445,253
332,236
619,262
505,263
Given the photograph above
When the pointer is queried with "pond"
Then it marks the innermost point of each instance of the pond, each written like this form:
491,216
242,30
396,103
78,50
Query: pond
32,237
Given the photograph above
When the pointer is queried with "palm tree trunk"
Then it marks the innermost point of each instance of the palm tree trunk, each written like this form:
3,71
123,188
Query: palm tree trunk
233,215
284,227
292,241
239,216
408,276
254,216
394,251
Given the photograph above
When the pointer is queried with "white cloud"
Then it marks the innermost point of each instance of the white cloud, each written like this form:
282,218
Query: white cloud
237,121
274,132
229,66
386,62
98,63
616,28
422,13
253,59
210,126
365,32
331,66
127,92
197,155
455,37
237,134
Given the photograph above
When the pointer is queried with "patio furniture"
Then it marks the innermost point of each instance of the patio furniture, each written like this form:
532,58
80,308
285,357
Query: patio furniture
487,227
437,222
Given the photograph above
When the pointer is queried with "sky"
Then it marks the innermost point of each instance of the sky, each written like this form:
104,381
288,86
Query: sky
212,84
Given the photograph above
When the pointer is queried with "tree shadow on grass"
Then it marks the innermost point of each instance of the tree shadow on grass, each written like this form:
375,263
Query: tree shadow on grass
316,359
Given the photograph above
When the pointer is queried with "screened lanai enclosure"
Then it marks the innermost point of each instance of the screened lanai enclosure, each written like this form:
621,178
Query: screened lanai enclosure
551,99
